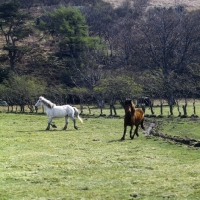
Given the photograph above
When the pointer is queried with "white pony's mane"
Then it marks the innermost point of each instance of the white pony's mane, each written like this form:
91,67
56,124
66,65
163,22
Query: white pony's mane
48,103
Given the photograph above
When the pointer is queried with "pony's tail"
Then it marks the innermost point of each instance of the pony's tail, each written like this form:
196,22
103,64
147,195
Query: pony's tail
142,124
80,119
77,114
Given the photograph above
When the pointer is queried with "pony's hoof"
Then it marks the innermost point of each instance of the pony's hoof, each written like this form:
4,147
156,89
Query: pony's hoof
54,126
122,138
76,127
132,138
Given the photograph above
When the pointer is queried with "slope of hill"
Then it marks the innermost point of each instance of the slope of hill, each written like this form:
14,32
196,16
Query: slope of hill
190,4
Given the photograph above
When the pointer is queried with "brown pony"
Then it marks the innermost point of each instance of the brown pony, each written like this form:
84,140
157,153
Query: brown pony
133,116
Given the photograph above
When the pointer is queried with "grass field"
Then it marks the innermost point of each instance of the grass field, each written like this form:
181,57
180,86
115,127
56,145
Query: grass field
92,163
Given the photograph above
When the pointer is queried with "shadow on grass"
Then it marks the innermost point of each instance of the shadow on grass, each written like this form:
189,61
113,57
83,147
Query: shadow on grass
119,140
53,130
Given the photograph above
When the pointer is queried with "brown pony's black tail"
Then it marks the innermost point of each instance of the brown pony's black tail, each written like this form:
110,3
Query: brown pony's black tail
142,124
143,108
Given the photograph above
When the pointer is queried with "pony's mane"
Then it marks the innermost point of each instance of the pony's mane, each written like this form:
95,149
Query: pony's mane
132,105
132,108
48,103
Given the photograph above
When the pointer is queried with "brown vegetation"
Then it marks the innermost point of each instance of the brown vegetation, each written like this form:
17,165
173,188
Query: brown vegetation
189,4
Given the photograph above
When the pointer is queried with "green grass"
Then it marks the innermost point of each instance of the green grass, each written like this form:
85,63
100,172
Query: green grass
91,163
180,127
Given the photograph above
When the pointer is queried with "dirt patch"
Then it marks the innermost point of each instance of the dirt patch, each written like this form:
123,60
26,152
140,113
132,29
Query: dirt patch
156,129
178,140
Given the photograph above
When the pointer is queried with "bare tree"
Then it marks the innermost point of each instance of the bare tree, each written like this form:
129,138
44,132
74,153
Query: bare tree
168,46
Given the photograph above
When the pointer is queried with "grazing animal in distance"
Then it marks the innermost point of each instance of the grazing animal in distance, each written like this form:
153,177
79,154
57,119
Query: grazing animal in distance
54,111
133,117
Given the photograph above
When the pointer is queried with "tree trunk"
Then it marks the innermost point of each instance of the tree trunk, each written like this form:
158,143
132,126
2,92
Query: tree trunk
151,108
171,102
22,108
171,109
100,104
185,108
112,107
194,108
36,109
161,108
178,107
89,109
12,56
143,108
81,106
101,111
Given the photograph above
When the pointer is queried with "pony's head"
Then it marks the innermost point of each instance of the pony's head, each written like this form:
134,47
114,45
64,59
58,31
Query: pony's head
129,106
42,101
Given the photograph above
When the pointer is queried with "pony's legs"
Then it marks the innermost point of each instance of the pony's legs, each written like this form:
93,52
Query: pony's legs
75,124
123,137
131,132
66,123
49,123
73,119
135,132
48,126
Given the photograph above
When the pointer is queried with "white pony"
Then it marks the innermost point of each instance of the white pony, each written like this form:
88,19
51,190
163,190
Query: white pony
54,111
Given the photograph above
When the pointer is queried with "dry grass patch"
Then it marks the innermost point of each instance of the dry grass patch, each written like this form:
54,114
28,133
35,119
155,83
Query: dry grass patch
194,4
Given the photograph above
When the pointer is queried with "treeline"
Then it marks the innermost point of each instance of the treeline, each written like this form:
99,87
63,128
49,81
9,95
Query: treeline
85,51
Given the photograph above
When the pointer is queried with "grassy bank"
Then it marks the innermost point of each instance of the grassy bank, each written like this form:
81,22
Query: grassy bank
91,163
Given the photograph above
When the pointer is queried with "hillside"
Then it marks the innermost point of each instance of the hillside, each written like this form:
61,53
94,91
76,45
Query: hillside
190,4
